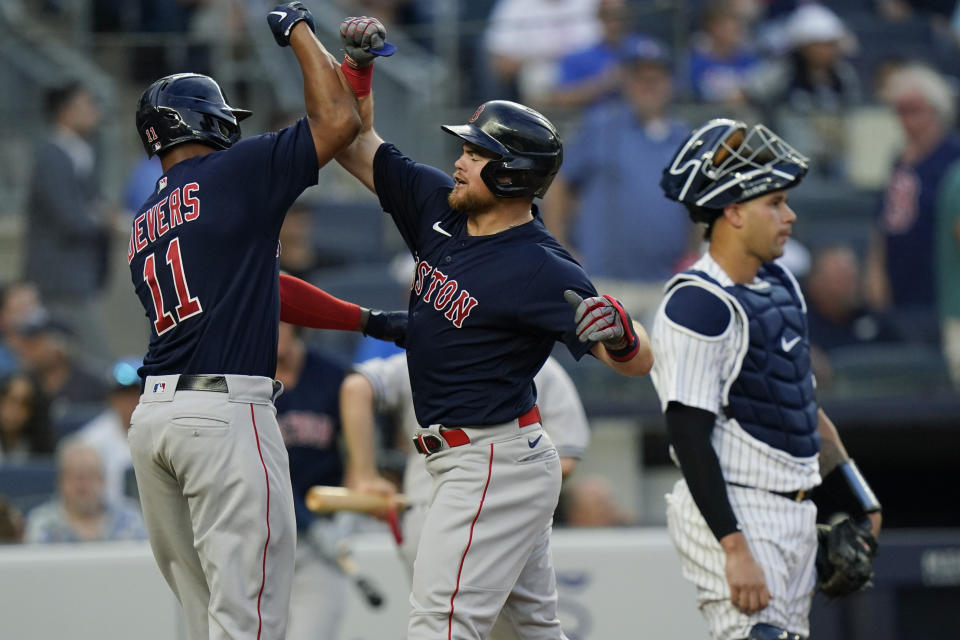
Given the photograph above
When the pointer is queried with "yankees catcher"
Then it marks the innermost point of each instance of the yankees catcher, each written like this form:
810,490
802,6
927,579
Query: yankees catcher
732,369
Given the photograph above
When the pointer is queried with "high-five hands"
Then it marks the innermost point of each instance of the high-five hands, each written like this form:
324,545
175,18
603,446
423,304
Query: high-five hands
364,38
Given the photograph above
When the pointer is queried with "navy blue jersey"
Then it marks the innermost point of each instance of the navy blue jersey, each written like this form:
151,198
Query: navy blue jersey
485,311
203,254
309,417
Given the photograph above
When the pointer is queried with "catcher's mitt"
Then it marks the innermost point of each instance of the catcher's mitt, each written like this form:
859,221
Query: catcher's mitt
844,557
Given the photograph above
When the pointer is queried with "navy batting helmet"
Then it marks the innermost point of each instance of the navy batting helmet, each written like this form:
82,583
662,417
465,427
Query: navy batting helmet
186,107
526,146
722,162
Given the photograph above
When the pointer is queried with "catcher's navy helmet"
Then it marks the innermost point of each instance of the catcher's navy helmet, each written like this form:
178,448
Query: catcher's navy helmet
722,162
186,107
526,146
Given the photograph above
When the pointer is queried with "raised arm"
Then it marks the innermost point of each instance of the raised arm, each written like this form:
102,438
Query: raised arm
364,39
330,103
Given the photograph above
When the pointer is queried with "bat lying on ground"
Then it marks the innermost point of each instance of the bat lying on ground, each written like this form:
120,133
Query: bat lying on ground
321,499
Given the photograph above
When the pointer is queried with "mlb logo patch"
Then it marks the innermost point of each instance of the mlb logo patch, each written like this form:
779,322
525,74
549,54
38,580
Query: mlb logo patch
160,387
162,184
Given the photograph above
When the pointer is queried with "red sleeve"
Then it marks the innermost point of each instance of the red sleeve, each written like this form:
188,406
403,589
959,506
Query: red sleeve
305,305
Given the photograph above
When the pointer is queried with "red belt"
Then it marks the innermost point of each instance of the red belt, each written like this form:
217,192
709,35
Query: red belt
427,443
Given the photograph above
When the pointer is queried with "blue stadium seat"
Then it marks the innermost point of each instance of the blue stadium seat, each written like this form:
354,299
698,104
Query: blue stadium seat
27,484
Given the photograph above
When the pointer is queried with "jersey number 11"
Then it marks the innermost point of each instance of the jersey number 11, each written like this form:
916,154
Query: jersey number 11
187,306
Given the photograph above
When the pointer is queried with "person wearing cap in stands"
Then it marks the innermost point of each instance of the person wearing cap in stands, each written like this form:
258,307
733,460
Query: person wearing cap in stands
48,350
606,204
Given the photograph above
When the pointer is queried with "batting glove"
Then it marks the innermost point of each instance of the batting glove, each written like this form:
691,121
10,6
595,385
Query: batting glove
364,38
603,319
284,17
387,325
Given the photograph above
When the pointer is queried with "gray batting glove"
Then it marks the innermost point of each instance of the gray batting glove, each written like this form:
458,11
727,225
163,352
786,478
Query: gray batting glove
597,319
364,38
603,319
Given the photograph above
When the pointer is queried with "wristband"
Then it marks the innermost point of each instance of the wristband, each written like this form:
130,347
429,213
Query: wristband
627,352
360,78
845,489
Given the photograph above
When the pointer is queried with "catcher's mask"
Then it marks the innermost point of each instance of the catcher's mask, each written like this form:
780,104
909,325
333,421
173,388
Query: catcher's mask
526,147
186,107
723,162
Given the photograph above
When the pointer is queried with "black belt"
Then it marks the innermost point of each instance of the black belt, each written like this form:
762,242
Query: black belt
794,496
202,383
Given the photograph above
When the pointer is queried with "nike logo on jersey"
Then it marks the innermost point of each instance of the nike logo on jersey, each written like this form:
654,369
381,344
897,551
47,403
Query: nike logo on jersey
282,14
787,345
439,229
534,443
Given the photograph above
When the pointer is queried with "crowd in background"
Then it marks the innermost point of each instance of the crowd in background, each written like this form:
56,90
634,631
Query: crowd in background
620,89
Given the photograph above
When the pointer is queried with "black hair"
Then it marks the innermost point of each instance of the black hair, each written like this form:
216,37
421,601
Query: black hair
38,430
60,96
704,215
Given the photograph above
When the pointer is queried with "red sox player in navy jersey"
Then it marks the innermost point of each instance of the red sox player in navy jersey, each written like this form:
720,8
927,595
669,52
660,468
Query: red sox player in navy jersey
491,296
211,466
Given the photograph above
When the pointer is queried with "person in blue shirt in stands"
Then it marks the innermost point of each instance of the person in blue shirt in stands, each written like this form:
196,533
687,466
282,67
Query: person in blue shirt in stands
606,202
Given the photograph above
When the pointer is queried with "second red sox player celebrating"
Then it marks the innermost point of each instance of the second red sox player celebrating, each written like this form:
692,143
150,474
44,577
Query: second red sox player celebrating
486,307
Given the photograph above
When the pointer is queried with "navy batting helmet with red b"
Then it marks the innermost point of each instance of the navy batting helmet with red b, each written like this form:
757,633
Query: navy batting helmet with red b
186,107
526,147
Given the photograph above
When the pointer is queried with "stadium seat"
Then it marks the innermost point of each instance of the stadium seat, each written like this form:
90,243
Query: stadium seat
888,368
28,484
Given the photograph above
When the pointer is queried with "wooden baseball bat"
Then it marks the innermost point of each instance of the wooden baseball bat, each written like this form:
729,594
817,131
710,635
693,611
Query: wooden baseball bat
322,499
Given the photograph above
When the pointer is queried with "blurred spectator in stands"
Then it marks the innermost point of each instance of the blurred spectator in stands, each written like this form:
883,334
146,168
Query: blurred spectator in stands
722,58
593,75
808,91
606,202
814,75
901,258
590,501
11,523
836,314
947,232
48,352
881,74
18,301
107,433
298,252
80,512
66,249
25,430
525,40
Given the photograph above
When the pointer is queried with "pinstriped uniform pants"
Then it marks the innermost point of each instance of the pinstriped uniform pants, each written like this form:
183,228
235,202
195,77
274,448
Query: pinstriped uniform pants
782,536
